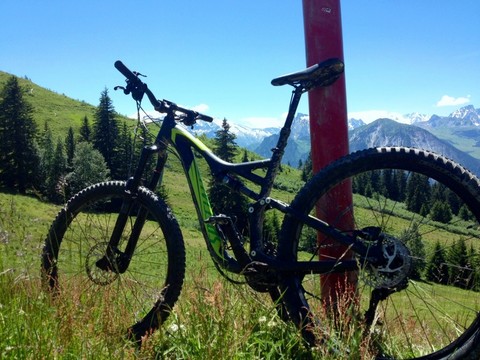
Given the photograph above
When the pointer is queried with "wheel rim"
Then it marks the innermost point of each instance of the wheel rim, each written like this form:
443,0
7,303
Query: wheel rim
427,313
107,300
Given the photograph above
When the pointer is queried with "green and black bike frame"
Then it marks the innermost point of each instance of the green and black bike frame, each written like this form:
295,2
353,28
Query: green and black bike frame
184,144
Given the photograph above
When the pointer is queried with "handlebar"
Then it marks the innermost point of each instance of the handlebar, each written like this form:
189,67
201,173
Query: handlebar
138,88
125,71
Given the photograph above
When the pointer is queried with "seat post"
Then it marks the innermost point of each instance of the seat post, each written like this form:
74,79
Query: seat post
286,129
292,109
279,150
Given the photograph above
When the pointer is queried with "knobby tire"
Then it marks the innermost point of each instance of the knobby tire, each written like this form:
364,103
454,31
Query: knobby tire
425,318
137,301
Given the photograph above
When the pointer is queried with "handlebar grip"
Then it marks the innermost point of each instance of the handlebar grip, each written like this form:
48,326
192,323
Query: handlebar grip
124,70
205,118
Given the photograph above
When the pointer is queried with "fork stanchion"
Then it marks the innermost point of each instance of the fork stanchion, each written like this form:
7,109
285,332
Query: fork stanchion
329,133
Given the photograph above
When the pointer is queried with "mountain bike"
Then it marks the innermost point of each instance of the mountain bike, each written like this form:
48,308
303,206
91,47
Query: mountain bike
120,241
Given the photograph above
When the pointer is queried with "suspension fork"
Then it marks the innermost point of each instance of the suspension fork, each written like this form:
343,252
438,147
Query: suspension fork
115,260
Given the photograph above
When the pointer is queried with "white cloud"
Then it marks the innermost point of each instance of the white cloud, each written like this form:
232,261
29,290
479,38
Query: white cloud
201,108
451,101
369,116
262,122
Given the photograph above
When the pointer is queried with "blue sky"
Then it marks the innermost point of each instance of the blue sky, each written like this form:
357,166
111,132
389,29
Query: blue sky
219,56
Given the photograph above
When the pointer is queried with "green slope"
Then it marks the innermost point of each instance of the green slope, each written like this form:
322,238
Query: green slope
58,110
61,112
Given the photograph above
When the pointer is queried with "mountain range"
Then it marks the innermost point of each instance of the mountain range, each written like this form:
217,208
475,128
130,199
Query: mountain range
456,136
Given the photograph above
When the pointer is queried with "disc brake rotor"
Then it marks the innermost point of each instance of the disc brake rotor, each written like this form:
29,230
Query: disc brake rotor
97,275
396,269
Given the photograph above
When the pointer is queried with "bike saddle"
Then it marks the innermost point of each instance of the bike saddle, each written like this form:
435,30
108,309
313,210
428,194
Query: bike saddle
321,74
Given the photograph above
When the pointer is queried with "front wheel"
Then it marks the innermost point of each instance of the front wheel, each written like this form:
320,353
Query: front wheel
424,302
138,299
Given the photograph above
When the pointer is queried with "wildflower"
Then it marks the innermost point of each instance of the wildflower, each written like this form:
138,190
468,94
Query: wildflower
173,328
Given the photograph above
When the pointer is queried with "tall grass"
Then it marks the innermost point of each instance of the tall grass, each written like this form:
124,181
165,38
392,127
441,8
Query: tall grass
212,319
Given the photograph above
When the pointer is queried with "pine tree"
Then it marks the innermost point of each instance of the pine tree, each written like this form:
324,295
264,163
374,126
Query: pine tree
125,153
413,241
47,152
437,270
89,167
70,147
418,192
386,186
52,165
85,131
307,170
245,156
454,202
458,260
438,192
105,132
392,184
464,213
18,153
57,171
223,199
42,136
441,212
359,184
271,228
401,181
474,265
225,145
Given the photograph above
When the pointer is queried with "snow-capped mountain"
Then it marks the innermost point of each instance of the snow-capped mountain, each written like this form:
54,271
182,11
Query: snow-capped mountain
466,116
355,123
252,137
415,117
246,137
463,123
386,132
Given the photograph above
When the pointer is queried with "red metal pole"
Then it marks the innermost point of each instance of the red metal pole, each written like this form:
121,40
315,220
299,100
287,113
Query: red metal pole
328,129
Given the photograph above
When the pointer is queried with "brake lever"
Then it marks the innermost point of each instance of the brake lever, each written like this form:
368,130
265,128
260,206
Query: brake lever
189,120
125,91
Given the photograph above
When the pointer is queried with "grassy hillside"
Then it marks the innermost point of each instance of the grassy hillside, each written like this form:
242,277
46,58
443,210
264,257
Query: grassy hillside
60,111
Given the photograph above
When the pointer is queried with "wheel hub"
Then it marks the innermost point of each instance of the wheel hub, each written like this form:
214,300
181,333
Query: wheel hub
98,275
396,267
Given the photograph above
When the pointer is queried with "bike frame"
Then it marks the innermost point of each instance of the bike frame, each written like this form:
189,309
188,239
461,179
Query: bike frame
184,144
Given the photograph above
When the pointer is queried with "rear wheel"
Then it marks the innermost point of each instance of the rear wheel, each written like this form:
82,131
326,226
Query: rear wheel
138,299
423,303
